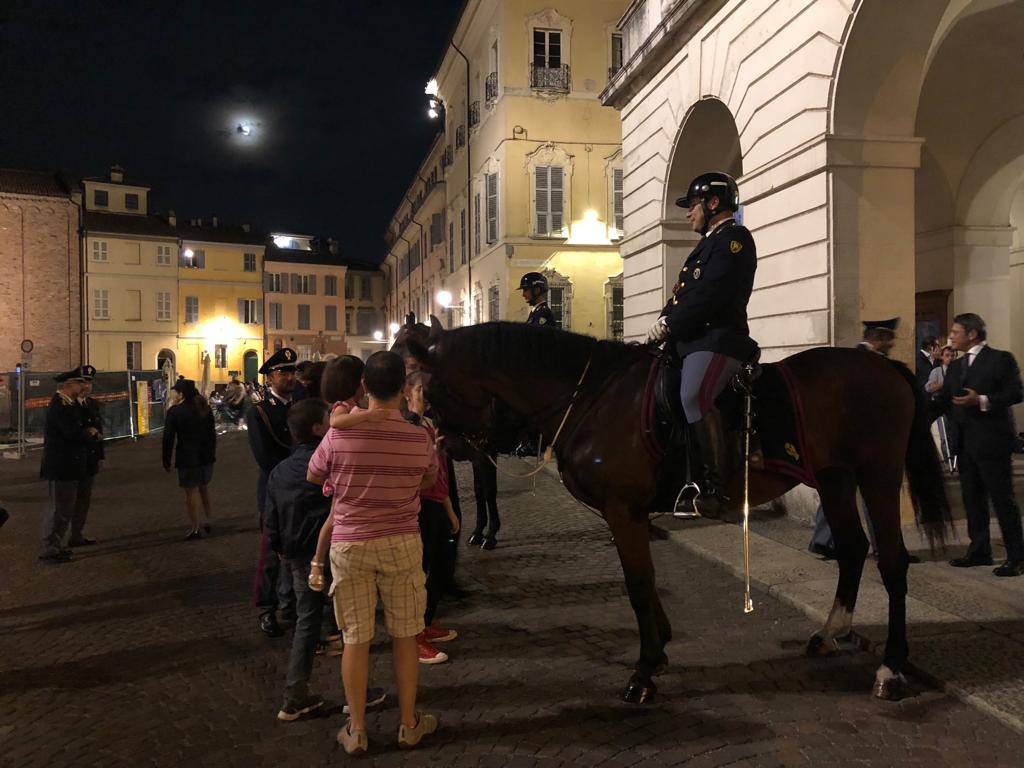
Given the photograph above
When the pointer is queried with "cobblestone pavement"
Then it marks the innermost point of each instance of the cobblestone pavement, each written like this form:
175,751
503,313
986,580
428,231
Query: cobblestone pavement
144,652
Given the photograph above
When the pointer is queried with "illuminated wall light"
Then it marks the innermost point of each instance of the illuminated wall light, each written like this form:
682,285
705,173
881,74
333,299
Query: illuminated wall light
431,89
394,328
378,335
589,230
444,298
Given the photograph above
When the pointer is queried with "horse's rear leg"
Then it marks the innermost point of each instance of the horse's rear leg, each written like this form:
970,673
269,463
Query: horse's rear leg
880,487
634,547
838,491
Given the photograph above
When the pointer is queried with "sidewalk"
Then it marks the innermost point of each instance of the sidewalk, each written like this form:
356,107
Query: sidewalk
966,626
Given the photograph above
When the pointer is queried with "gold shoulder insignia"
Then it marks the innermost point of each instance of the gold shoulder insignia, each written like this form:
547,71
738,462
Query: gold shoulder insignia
794,454
735,246
542,321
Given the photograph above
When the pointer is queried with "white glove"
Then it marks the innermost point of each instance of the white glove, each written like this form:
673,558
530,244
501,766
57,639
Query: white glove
658,332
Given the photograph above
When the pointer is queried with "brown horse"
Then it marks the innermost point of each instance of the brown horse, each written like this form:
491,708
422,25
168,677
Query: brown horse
863,419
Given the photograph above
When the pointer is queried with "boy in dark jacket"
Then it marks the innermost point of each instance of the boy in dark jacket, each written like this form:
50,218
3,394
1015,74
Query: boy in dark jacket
296,510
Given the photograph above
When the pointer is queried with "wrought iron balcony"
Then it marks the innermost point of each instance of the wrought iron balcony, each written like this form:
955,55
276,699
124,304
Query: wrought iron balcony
460,137
474,114
550,78
491,88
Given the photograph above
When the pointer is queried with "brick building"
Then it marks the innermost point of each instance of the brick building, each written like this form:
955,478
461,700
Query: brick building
40,280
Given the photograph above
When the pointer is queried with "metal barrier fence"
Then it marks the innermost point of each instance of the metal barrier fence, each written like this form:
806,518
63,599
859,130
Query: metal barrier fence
131,404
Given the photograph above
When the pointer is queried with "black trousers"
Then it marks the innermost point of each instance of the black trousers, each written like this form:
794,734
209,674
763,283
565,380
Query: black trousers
272,584
990,480
435,532
485,487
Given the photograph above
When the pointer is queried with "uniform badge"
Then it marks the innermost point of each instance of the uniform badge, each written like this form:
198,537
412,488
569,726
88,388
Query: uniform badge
542,321
735,246
794,454
696,273
289,355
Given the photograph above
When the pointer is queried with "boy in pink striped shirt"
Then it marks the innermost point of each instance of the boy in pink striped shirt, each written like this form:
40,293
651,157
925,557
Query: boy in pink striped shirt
377,470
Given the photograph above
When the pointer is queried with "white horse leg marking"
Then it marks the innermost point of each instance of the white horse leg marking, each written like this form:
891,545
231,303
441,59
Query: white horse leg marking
839,623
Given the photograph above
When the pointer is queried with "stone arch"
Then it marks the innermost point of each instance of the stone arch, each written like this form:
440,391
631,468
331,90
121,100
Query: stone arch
166,355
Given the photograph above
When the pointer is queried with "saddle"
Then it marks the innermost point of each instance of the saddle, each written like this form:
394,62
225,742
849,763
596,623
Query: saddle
777,434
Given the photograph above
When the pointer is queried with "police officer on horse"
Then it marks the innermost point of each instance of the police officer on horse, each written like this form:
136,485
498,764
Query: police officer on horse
535,290
706,319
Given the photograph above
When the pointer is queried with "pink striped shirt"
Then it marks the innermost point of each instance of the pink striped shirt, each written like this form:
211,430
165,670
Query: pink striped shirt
375,470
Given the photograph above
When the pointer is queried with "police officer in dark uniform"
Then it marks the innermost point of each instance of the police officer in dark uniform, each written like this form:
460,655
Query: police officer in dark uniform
535,290
706,318
66,441
270,441
95,454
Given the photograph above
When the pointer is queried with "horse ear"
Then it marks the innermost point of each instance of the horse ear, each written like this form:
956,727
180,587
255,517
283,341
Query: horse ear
419,353
436,329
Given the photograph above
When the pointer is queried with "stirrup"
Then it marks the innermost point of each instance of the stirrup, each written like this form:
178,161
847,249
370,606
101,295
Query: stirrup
681,512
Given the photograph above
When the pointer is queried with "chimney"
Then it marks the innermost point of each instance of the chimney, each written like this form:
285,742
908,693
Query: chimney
171,218
117,174
332,246
215,221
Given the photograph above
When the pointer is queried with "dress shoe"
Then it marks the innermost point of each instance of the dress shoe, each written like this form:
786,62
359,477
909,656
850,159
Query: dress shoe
1010,568
268,625
822,550
81,541
970,562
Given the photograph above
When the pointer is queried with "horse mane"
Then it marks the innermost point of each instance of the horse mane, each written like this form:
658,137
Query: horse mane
518,346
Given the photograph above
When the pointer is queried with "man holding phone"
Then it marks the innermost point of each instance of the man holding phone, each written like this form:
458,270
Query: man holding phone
979,389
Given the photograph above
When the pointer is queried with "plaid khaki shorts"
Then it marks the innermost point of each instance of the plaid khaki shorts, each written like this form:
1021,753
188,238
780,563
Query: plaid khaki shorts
391,567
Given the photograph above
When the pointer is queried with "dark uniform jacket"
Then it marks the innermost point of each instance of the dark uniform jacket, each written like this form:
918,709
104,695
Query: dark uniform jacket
65,441
541,314
923,369
270,446
296,508
982,434
96,452
708,311
195,434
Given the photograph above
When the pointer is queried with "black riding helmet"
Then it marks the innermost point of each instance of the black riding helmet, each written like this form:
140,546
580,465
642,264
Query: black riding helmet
531,279
708,185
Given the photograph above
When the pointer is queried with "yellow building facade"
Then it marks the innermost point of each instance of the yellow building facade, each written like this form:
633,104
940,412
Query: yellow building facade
220,302
130,277
536,183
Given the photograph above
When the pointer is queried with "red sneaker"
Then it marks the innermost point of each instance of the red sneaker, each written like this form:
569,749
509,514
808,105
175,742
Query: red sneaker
438,634
428,653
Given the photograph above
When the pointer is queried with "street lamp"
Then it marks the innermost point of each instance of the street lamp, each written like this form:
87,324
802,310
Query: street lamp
394,328
444,298
378,335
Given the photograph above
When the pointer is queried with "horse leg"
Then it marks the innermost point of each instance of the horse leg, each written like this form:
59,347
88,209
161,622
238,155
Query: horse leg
634,548
880,487
838,491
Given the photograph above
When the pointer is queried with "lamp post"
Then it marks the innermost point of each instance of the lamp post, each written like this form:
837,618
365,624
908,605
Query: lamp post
432,91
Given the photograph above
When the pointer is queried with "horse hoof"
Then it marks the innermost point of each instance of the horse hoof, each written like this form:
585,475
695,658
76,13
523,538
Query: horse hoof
822,646
639,691
892,689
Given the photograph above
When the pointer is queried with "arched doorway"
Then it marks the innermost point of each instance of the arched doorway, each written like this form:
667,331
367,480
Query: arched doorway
165,356
925,160
251,365
707,141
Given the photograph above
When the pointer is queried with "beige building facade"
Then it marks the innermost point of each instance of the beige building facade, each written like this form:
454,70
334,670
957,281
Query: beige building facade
366,325
130,285
40,288
880,159
535,183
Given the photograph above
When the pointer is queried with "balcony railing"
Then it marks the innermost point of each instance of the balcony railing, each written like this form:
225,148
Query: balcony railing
550,78
474,114
460,137
491,88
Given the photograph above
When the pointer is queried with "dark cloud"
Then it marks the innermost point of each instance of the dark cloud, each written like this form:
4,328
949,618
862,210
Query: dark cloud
334,89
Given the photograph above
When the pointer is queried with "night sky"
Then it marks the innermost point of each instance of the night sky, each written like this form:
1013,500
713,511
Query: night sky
332,90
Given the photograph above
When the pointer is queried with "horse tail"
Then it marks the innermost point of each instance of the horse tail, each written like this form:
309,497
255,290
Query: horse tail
925,478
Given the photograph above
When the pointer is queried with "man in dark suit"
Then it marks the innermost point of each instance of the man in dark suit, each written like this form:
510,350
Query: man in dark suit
977,394
926,359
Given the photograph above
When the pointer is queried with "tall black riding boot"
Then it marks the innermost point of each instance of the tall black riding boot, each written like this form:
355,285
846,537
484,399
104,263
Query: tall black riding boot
707,432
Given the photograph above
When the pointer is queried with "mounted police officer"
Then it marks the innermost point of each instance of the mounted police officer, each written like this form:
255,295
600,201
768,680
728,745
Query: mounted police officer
535,290
270,441
67,438
706,318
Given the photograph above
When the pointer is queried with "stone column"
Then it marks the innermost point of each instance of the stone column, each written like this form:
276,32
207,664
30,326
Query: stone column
872,206
981,278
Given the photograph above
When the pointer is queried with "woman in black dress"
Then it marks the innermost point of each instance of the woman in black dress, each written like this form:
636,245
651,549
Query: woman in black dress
190,435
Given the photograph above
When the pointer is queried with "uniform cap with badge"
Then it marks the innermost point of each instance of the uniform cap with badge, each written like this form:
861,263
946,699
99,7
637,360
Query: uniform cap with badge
283,360
81,373
882,327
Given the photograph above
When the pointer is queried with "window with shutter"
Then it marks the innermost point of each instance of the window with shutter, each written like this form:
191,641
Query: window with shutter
542,192
296,281
330,318
493,303
243,311
451,246
549,196
617,213
556,201
268,282
436,224
492,207
312,285
476,223
365,288
303,317
258,307
199,259
462,233
191,309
